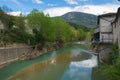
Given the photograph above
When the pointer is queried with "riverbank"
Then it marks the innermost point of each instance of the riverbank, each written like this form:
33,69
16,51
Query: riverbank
107,72
13,54
20,65
110,71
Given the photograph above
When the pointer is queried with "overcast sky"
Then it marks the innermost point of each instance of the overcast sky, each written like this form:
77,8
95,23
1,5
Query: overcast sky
60,7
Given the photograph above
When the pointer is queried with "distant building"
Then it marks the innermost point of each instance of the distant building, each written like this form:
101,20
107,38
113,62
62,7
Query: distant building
2,26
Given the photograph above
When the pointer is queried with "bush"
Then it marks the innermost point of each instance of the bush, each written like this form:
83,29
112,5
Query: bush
114,52
112,72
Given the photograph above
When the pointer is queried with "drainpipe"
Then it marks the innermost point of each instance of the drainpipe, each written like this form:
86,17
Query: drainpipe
98,56
98,59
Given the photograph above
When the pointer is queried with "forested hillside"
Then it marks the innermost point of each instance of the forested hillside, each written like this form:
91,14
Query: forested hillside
79,18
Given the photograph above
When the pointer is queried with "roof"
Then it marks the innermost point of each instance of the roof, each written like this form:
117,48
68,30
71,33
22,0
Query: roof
107,15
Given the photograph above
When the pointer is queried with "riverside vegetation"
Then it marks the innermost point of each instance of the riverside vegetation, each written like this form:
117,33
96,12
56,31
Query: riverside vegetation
112,71
38,29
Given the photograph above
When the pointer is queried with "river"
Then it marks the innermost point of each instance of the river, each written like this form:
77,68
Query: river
70,63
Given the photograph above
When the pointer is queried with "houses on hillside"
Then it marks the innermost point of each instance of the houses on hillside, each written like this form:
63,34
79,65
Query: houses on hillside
107,33
2,26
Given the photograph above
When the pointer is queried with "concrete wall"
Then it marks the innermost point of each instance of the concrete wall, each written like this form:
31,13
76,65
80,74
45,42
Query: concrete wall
106,38
104,53
115,32
106,29
105,24
116,28
11,54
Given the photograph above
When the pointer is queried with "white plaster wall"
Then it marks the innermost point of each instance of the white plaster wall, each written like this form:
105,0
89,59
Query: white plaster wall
115,32
106,38
105,25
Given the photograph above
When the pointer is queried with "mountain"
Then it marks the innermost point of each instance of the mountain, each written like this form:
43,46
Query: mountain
80,18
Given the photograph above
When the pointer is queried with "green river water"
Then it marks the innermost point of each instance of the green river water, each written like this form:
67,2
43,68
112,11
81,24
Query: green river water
70,63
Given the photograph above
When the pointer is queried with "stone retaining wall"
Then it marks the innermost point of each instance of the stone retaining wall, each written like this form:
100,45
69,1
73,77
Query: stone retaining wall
9,54
103,51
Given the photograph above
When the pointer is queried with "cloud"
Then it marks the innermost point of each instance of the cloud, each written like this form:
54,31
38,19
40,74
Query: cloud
57,11
15,1
38,1
74,2
15,13
82,0
71,2
52,5
92,9
97,9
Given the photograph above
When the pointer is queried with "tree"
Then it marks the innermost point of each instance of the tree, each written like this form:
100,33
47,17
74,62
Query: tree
81,34
46,29
41,25
89,35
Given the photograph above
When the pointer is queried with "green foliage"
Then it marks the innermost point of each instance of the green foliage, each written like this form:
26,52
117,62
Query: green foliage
112,72
82,34
52,29
63,30
114,52
44,29
15,35
89,35
41,25
4,18
76,26
15,29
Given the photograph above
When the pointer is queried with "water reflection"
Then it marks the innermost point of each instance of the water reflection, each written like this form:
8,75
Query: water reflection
80,70
74,64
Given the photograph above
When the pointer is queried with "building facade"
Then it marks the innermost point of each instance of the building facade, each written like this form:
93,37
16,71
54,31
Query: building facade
116,28
106,34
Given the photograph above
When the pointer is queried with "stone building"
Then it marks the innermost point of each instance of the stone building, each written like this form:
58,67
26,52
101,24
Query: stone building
116,28
103,33
107,33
